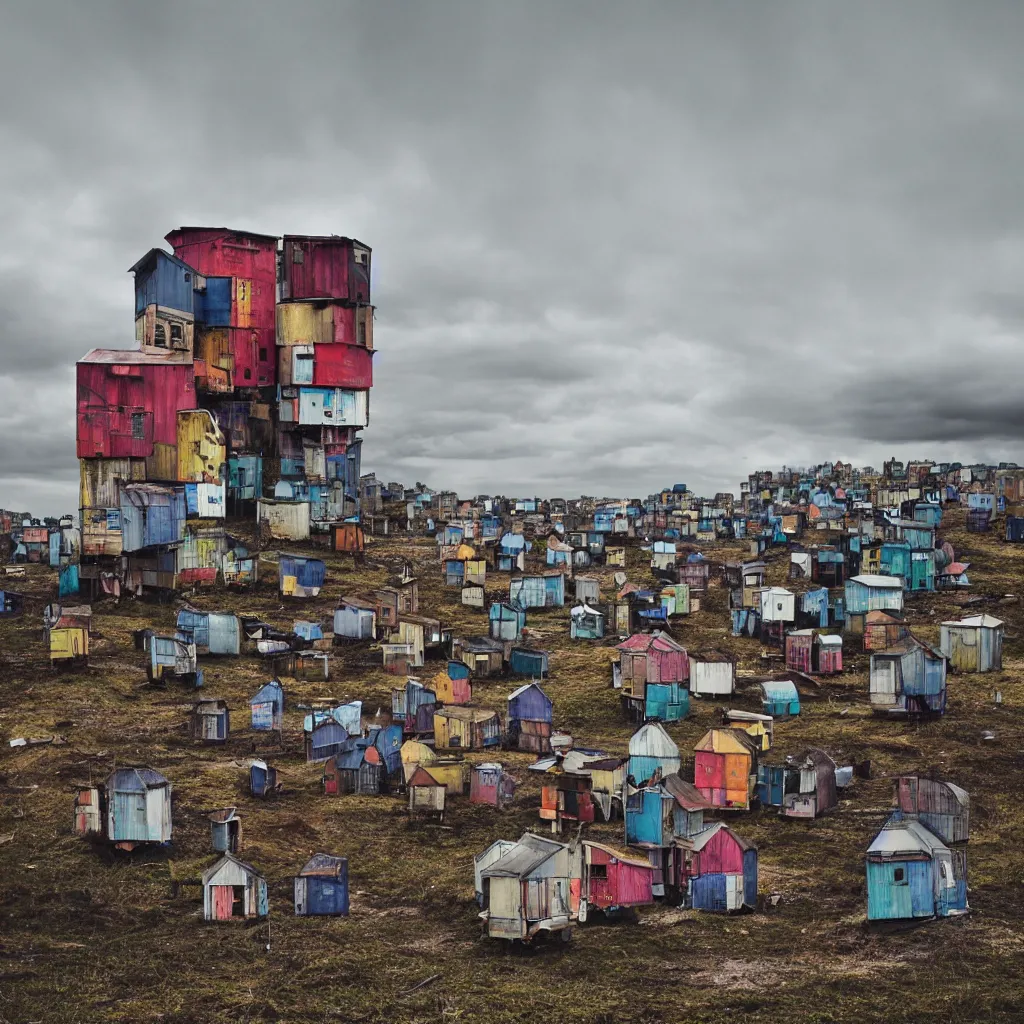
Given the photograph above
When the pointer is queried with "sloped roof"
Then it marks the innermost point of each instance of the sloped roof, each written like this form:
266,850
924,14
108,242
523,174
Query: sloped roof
685,794
232,859
465,713
985,621
701,839
323,865
726,741
526,856
422,777
873,580
657,641
905,837
620,855
138,780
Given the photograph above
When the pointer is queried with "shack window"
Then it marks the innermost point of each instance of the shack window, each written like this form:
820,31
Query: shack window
360,331
361,256
298,256
159,336
138,426
177,336
899,876
263,354
598,870
248,374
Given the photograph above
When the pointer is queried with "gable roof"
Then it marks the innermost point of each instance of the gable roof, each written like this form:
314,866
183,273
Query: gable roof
422,777
726,741
985,621
229,858
656,641
685,793
905,837
525,857
701,839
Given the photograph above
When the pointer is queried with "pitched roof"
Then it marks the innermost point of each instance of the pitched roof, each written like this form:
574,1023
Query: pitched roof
905,837
872,580
726,741
701,839
657,641
985,621
685,794
526,856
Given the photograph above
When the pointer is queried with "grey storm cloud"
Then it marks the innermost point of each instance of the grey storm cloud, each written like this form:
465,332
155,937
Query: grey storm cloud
616,246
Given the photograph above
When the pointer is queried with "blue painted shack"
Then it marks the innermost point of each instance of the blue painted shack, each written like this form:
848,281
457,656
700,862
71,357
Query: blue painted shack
413,705
511,553
12,603
165,281
300,577
721,869
928,513
980,501
540,591
1015,529
526,661
506,620
912,873
68,584
908,678
245,477
151,516
355,618
225,830
211,632
666,702
780,699
667,810
324,737
262,779
870,593
267,707
652,751
172,657
530,719
321,887
138,802
307,630
586,623
387,740
355,768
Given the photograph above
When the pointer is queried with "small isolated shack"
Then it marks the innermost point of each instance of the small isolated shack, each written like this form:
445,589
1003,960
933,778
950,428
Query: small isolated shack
803,787
712,674
780,698
211,632
652,754
528,889
138,807
908,678
263,779
474,595
974,644
529,719
587,589
355,618
68,635
912,873
225,831
725,768
299,576
491,785
529,661
426,795
210,721
613,880
586,623
267,707
466,728
321,887
506,621
173,657
546,590
233,889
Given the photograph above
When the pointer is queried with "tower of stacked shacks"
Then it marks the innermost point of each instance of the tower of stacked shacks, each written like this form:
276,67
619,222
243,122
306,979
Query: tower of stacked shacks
232,404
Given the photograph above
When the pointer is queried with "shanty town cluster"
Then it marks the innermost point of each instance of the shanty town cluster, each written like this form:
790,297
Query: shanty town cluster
240,412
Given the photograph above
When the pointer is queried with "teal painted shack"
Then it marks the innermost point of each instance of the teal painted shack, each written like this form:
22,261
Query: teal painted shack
666,702
912,873
670,809
780,699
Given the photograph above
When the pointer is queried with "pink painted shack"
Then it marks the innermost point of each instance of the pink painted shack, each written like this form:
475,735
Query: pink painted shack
243,269
613,879
491,785
128,401
651,658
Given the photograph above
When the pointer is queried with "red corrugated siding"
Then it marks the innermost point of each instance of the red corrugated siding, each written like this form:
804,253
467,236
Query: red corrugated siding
325,270
108,396
345,366
722,855
708,770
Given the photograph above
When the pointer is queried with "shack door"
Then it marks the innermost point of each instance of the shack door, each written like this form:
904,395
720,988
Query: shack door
883,681
222,899
538,900
733,892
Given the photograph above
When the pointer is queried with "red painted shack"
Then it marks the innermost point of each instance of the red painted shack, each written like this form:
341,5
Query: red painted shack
249,260
799,647
491,785
128,401
325,267
613,879
719,868
828,654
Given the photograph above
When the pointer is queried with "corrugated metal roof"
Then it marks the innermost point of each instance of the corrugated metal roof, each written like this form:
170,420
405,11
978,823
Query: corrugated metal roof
905,837
114,356
685,793
871,580
985,621
323,864
658,641
726,741
526,856
701,839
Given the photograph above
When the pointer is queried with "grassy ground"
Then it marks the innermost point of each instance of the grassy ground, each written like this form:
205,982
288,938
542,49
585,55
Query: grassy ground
85,936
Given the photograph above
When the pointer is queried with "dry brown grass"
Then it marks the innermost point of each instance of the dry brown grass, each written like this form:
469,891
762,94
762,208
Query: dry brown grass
85,936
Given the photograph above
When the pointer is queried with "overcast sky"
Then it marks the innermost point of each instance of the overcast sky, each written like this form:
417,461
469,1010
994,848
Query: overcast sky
615,246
